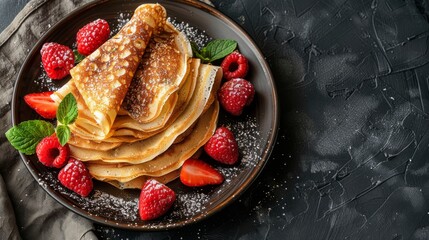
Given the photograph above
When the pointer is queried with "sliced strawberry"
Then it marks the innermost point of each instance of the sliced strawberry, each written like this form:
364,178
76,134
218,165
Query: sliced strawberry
196,173
42,104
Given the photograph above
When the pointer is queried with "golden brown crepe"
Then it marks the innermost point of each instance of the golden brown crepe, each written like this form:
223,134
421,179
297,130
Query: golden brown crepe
160,74
169,161
139,181
209,78
184,94
103,77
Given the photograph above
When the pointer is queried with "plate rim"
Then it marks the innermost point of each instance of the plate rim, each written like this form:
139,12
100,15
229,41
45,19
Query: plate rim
271,140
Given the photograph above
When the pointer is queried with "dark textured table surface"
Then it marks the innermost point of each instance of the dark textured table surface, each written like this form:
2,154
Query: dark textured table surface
352,150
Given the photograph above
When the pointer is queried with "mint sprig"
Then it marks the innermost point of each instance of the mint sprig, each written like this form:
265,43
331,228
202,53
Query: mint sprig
77,56
25,136
214,50
66,114
67,110
196,52
63,134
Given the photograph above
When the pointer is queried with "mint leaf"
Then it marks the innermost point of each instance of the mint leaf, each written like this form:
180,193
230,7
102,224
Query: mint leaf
67,110
66,114
195,49
219,48
25,136
63,134
205,55
197,53
77,57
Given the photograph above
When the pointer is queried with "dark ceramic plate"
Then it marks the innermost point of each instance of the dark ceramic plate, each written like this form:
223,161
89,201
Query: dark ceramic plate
255,130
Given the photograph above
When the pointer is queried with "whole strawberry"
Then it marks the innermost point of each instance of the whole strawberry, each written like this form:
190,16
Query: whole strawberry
51,153
235,65
75,176
155,200
91,36
57,60
222,146
235,94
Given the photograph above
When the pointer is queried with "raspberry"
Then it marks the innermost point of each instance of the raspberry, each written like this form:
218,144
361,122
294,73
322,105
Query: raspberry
51,153
235,65
75,176
155,200
235,94
91,36
222,146
57,60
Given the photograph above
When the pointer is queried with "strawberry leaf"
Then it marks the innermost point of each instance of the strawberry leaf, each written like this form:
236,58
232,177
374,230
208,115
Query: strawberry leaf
63,134
67,110
25,136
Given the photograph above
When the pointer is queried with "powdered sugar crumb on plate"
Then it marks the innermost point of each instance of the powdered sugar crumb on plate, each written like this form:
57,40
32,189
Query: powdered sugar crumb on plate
188,203
199,37
121,20
44,82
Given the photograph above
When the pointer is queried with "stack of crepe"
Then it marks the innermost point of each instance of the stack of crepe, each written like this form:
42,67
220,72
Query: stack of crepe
145,105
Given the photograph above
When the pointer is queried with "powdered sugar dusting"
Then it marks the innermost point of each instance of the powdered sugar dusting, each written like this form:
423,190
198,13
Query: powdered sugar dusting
246,132
199,37
112,207
43,81
190,204
249,138
120,208
122,19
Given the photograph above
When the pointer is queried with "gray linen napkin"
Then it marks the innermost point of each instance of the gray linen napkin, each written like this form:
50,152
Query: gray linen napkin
26,211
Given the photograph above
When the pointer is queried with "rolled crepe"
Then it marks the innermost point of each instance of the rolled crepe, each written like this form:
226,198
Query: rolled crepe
161,73
103,77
